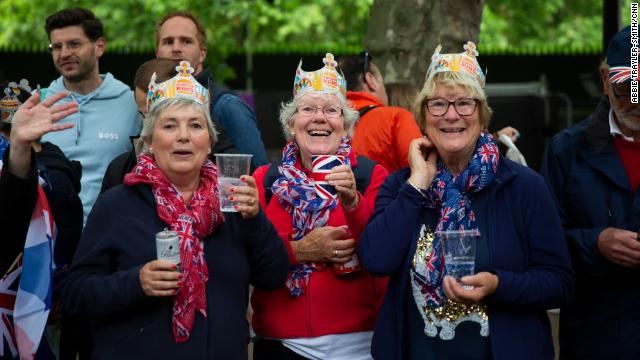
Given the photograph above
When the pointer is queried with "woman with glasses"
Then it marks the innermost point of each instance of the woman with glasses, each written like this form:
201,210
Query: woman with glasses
457,180
329,304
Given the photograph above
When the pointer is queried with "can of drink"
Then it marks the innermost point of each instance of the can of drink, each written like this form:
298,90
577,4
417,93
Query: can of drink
168,246
351,266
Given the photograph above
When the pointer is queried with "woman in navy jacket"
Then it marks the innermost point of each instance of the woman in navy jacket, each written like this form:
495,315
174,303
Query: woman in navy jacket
144,307
458,181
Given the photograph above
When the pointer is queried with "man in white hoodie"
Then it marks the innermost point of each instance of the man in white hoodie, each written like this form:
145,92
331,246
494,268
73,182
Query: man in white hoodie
107,115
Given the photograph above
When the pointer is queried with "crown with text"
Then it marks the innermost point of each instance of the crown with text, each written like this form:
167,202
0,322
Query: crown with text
326,79
183,85
464,62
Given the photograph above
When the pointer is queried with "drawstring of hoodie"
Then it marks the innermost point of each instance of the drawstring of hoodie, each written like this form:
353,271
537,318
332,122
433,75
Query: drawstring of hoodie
76,118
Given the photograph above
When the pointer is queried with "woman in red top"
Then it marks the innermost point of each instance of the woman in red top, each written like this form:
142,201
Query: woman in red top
320,313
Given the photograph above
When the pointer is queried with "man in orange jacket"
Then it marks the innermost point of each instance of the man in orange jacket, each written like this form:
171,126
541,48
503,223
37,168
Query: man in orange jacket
383,132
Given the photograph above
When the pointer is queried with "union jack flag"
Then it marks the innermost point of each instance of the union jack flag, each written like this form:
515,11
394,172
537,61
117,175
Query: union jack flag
489,153
321,166
8,291
445,213
619,74
471,181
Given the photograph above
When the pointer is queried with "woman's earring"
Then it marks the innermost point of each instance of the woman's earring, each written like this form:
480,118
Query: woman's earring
150,150
293,134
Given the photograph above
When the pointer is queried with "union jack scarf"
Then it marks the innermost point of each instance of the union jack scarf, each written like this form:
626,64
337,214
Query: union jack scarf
193,222
297,195
449,194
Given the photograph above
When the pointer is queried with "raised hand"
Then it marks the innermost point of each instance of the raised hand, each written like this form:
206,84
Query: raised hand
342,178
245,198
422,161
32,120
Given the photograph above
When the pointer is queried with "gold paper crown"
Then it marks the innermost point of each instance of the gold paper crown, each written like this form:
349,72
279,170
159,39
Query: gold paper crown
325,79
10,103
182,85
464,62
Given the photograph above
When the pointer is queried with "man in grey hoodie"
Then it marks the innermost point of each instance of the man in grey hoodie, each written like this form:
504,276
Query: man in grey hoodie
107,115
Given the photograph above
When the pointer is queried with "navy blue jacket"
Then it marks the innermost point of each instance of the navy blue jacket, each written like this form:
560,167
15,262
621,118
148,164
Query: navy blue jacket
104,284
526,252
592,192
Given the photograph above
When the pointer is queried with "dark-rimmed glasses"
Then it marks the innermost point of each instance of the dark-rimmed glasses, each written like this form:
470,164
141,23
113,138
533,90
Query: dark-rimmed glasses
440,106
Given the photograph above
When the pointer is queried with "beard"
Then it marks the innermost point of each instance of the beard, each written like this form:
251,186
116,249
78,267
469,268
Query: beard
84,69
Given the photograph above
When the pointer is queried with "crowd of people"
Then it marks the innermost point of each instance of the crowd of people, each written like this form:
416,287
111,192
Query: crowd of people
92,171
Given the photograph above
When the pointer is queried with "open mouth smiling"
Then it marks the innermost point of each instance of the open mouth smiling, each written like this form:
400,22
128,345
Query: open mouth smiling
319,132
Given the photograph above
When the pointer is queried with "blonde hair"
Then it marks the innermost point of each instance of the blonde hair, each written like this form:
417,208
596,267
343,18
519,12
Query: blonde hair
449,78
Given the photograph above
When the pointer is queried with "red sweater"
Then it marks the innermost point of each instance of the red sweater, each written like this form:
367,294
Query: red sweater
384,133
629,152
330,304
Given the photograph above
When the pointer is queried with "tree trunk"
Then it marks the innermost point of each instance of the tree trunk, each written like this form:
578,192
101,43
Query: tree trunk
403,34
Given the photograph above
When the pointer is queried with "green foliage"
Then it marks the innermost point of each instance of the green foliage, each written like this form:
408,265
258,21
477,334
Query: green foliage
307,26
232,26
549,26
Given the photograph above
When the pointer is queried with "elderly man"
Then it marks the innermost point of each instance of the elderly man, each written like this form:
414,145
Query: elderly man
593,170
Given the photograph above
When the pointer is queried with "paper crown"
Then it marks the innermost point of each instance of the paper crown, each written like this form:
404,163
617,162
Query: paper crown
325,79
464,62
10,103
182,85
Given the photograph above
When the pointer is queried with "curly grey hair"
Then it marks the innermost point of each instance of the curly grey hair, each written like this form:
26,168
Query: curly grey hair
178,102
288,109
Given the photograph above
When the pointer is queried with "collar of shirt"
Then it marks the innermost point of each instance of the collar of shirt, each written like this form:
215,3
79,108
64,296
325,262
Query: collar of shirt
614,129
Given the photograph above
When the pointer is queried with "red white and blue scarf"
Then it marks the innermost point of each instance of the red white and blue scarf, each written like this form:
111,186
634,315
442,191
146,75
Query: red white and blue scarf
449,194
298,197
193,222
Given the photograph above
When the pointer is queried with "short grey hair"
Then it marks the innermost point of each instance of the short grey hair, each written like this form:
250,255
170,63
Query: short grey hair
149,121
288,109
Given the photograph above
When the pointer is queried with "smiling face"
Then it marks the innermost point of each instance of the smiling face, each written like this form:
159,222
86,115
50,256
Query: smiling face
454,136
78,61
180,141
318,133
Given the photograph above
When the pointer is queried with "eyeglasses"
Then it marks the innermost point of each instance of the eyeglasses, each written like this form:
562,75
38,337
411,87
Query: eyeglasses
440,106
330,112
621,89
366,59
72,45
